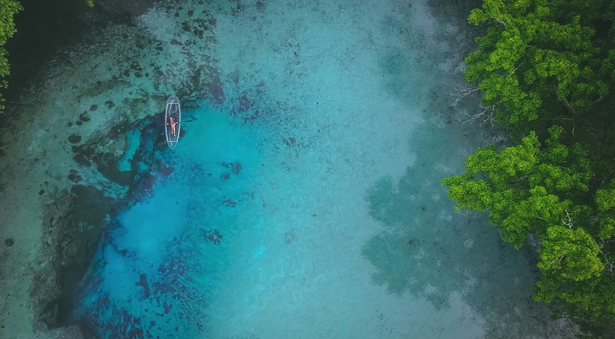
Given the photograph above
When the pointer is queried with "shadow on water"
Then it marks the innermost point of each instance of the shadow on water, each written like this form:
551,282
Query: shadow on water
427,248
431,251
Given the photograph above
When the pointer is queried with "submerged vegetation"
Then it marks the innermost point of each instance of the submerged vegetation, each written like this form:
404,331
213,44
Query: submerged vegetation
546,69
8,8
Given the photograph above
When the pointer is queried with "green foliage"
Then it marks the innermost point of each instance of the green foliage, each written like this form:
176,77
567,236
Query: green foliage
8,8
522,186
605,202
544,190
546,67
588,300
572,253
7,27
540,57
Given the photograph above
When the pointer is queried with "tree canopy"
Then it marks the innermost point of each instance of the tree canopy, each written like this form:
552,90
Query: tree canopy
8,8
544,190
540,56
547,70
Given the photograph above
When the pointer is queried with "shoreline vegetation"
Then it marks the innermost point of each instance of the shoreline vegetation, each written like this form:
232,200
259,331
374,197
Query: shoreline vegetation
546,70
8,8
546,73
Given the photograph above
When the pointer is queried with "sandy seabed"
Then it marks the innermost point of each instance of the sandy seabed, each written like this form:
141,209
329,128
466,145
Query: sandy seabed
303,201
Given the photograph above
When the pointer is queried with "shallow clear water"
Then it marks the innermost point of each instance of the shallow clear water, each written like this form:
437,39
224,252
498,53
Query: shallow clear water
304,200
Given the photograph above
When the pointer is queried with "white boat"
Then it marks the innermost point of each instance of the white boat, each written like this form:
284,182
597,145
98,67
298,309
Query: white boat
172,119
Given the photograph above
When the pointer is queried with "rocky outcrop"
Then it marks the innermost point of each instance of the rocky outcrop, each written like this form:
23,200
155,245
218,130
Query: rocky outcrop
72,225
75,219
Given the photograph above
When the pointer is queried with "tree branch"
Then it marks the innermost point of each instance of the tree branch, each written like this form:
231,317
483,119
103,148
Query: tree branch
462,93
498,20
568,222
485,114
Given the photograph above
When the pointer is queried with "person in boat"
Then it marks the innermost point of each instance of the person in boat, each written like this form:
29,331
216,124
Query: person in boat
172,123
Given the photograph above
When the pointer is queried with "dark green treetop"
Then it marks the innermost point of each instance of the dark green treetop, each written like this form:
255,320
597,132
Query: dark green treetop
8,8
544,190
543,56
546,67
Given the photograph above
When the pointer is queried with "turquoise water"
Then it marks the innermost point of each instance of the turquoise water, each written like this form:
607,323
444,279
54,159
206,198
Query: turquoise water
304,200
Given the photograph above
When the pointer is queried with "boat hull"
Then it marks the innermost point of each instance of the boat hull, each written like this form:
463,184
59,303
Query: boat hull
172,121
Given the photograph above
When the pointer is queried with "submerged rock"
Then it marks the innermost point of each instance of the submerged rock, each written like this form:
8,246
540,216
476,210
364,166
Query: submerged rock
73,223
